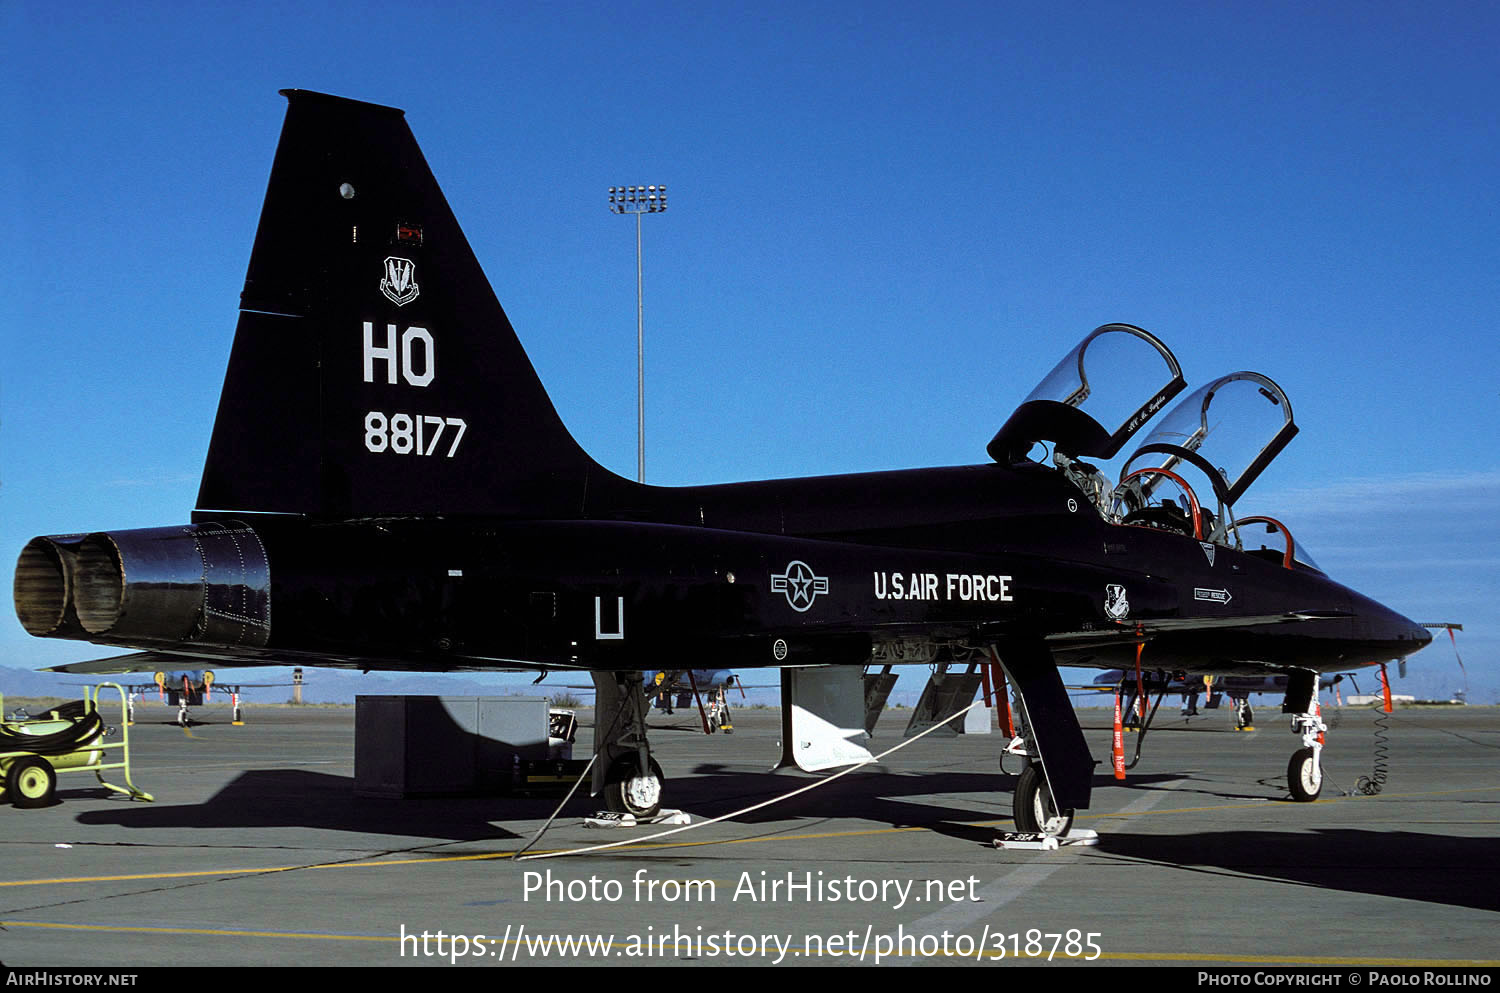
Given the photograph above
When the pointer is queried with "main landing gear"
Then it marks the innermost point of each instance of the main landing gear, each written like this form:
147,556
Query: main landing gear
1058,772
1033,807
1244,717
628,792
624,770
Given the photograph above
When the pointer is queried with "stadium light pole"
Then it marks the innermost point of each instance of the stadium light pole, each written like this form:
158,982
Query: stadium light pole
639,200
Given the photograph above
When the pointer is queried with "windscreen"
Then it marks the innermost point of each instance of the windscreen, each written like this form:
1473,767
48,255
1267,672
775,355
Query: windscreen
1270,539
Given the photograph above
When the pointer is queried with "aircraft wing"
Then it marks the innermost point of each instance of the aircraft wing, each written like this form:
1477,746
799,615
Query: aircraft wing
236,687
154,662
229,687
150,662
589,688
1129,632
215,657
1124,633
134,662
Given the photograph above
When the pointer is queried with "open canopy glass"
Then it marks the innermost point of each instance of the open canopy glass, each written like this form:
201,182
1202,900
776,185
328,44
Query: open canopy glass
1229,430
1122,374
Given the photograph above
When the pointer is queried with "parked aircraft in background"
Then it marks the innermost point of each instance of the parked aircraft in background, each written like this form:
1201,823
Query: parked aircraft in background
1191,688
668,690
183,689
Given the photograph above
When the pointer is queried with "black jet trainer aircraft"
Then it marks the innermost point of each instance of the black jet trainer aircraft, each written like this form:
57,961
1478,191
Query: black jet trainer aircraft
388,486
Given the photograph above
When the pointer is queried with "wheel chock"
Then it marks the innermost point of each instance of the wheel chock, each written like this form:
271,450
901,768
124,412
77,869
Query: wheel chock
613,819
1031,841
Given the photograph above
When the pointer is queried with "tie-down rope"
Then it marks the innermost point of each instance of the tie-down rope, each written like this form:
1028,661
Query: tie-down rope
751,809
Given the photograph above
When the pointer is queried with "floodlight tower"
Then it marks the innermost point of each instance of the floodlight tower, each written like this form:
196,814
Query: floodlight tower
639,200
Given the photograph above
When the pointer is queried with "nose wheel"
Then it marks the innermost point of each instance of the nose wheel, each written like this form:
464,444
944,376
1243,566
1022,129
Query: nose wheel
1304,775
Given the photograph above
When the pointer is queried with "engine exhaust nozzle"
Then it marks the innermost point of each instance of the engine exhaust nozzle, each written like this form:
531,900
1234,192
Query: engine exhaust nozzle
198,583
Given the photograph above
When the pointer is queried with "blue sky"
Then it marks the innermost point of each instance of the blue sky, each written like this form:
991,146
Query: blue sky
886,225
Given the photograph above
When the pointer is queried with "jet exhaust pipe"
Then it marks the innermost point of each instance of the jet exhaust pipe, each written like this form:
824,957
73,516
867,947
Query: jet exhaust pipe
199,583
44,587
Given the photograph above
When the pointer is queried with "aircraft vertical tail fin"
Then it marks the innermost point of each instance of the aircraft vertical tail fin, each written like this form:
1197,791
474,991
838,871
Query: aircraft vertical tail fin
374,371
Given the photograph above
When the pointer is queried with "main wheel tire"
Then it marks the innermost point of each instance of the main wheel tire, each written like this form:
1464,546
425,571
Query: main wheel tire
1033,807
31,782
629,792
1304,776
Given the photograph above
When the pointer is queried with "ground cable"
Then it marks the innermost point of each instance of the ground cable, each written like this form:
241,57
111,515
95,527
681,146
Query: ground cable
754,807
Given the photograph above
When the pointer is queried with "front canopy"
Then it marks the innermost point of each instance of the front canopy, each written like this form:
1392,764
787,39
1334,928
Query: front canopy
1122,373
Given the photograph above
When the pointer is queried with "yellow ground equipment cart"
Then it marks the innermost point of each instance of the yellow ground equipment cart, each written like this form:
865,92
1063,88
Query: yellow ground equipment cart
69,738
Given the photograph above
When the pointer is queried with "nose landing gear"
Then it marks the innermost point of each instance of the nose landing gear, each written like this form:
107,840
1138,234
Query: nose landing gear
1304,773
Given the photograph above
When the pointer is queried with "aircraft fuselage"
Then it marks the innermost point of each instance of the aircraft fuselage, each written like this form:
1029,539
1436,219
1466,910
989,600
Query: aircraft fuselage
1000,551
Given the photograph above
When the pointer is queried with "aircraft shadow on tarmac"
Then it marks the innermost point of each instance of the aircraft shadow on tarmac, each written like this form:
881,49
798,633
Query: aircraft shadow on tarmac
272,798
299,798
1433,868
